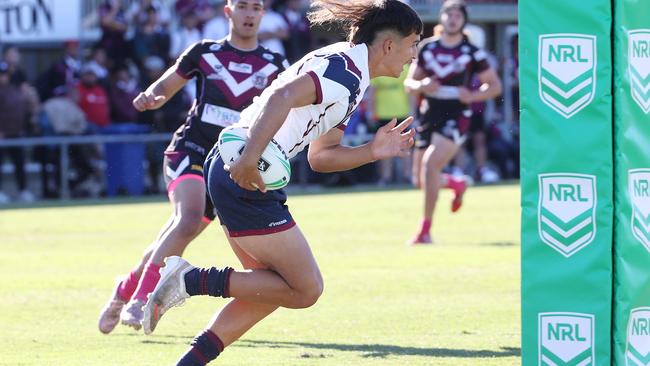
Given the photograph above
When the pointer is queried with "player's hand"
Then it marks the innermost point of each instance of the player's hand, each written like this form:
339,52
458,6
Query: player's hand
429,85
465,96
244,172
146,101
393,140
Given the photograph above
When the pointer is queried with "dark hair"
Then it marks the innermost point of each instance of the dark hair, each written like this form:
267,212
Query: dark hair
365,18
455,4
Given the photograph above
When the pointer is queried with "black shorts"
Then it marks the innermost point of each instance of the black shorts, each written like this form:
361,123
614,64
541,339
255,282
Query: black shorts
477,122
452,123
183,160
244,212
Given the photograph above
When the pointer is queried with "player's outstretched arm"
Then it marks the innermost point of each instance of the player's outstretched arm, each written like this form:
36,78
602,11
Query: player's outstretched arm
417,82
296,93
327,155
160,91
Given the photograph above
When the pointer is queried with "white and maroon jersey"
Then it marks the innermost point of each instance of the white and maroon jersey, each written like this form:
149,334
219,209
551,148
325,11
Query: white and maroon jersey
340,74
227,81
451,67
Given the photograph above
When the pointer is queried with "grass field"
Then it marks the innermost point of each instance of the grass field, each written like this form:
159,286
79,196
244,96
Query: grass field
452,303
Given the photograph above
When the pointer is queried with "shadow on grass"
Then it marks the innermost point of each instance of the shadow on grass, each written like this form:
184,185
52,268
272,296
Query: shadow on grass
383,350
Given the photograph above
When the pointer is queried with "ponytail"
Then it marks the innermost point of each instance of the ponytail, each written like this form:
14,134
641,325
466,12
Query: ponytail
365,18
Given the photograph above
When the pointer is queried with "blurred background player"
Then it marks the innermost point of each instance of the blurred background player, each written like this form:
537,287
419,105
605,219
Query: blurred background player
309,104
441,79
229,73
387,99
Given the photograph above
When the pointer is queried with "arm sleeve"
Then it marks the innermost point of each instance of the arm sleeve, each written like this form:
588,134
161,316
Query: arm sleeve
480,61
188,62
334,80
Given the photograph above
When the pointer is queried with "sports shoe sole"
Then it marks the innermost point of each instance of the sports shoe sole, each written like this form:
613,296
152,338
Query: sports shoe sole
152,308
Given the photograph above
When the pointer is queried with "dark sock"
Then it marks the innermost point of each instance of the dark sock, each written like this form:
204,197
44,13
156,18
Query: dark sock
208,281
204,348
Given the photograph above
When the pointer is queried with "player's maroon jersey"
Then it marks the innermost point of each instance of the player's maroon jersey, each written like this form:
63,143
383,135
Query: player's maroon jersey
227,80
451,67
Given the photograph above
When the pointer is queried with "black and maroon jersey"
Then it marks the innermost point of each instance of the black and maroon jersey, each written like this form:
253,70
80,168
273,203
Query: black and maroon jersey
227,80
451,67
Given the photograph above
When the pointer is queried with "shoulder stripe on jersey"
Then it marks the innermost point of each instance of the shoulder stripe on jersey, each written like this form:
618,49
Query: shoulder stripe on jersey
319,89
338,71
351,66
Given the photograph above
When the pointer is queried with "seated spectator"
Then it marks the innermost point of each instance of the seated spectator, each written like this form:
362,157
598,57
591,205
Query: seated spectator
62,74
114,24
137,13
217,27
15,110
201,8
273,29
99,62
299,42
187,34
122,89
62,116
11,55
151,38
93,99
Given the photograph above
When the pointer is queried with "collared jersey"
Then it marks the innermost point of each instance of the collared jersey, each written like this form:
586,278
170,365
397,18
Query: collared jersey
451,67
227,81
340,74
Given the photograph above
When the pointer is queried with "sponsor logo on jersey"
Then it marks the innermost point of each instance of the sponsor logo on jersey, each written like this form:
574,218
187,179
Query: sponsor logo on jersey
242,68
639,66
260,80
566,339
567,211
217,73
268,56
567,71
637,345
639,192
215,47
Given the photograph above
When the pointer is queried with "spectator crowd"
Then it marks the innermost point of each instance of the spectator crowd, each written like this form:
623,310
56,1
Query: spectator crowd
91,86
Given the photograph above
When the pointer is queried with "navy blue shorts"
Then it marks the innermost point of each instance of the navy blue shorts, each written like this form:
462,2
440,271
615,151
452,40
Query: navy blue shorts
244,212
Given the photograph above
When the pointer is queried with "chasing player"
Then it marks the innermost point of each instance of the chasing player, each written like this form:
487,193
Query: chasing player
229,73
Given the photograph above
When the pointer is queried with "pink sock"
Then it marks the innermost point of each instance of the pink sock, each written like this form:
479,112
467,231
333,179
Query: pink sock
449,181
453,182
425,227
148,282
127,286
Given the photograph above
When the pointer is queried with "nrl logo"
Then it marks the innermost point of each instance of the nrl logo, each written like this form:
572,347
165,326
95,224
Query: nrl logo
639,191
567,211
567,71
639,66
566,339
637,346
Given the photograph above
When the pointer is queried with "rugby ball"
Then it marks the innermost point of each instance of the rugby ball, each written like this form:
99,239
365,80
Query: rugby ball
273,165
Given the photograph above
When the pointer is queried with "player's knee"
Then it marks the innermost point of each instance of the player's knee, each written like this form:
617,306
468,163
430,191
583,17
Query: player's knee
188,224
310,295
